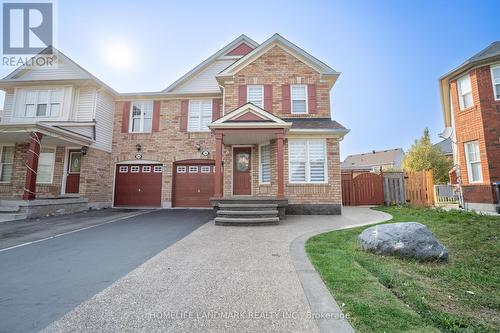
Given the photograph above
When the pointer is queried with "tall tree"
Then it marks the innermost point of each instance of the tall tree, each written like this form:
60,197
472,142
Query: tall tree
422,155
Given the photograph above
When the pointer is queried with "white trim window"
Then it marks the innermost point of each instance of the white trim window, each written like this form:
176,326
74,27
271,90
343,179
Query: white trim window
495,79
199,115
123,169
146,168
181,169
473,159
141,117
255,95
46,162
298,95
193,169
464,92
307,161
265,164
43,103
158,169
6,163
205,169
134,169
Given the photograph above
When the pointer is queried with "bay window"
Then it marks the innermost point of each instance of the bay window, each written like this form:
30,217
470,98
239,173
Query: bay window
141,117
464,92
43,103
200,115
255,95
6,163
307,161
46,163
495,79
299,98
473,159
265,164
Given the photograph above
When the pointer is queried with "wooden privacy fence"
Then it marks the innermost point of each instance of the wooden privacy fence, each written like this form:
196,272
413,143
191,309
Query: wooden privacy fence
364,189
419,188
394,188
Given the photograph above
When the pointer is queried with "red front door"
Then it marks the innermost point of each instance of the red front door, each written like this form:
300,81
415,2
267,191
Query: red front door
241,171
73,171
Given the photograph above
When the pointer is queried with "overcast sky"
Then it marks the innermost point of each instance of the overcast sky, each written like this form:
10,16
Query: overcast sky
390,53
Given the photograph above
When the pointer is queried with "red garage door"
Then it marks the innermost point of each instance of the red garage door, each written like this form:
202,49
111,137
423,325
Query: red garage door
138,185
193,183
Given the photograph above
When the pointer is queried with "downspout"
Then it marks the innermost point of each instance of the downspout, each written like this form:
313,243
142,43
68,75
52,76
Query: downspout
223,97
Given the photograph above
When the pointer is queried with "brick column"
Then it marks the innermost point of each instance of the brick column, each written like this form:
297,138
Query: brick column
218,165
32,166
280,157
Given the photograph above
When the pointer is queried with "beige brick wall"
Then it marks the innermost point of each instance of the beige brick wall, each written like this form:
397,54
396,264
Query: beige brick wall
96,176
278,67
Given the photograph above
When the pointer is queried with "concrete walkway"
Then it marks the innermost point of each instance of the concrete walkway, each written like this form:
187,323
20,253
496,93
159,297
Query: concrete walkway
231,279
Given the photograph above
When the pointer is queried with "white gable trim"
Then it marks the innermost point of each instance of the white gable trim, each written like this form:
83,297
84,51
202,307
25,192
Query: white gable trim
287,46
208,61
249,107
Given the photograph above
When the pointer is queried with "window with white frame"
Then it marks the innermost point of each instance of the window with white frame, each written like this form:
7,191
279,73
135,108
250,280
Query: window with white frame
495,78
205,169
158,168
299,98
46,162
265,164
43,103
123,169
181,169
141,117
255,95
146,168
6,163
193,169
199,115
473,158
464,92
307,161
134,169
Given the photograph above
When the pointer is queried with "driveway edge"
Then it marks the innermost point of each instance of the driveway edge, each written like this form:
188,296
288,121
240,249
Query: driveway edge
319,297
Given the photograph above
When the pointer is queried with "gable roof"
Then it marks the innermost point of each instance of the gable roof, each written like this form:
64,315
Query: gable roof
289,47
488,54
221,54
69,70
374,158
445,146
259,118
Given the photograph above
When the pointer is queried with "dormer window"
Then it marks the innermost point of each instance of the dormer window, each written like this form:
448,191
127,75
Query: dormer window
43,103
464,92
299,98
255,95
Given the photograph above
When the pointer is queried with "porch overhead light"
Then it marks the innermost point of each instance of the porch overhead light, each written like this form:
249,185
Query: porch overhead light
138,147
84,150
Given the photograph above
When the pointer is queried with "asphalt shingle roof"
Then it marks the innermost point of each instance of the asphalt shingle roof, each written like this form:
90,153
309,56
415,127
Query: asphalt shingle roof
373,158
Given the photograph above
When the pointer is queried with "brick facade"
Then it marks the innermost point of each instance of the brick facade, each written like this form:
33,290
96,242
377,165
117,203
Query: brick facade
480,122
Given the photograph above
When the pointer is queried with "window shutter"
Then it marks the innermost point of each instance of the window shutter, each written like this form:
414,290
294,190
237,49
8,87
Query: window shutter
311,98
156,116
242,94
184,115
285,97
216,108
125,117
268,97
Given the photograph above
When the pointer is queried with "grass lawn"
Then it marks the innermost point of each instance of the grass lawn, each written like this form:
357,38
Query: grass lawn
389,294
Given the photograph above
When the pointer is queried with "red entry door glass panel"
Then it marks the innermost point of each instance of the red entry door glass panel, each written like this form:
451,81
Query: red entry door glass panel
242,167
138,185
73,171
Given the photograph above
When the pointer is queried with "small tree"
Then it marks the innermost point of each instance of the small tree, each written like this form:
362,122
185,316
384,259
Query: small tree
422,155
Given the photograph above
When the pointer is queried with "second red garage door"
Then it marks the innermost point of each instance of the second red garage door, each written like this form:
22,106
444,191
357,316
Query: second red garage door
138,185
193,183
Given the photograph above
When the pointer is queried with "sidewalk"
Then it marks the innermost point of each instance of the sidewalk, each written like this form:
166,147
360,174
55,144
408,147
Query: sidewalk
232,279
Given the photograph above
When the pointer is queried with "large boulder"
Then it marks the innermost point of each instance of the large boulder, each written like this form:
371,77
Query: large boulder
406,239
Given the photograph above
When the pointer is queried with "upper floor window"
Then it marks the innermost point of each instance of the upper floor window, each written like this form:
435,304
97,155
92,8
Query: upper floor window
464,92
6,163
200,115
255,95
43,103
299,98
46,162
495,78
141,117
473,159
307,161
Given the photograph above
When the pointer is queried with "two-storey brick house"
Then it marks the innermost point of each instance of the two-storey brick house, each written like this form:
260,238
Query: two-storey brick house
470,96
252,123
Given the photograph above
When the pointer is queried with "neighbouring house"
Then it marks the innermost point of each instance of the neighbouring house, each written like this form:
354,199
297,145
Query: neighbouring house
249,125
374,161
470,97
446,147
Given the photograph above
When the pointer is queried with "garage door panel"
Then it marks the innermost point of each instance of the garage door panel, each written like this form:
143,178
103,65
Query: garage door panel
193,189
138,188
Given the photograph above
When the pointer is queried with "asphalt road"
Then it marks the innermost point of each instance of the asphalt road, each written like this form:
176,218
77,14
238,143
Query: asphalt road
42,281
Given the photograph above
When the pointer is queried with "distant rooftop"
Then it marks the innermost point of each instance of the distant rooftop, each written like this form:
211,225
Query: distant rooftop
373,158
446,146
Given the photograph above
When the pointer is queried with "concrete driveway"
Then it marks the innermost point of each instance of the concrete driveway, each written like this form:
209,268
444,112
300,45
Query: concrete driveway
217,279
42,281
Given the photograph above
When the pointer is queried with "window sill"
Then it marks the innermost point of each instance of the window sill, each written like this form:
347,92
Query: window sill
308,184
140,132
469,109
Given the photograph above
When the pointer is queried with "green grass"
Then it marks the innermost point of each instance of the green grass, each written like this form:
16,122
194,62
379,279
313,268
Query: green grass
390,294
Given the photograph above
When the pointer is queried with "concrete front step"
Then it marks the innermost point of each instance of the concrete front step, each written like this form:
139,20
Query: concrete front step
247,206
273,212
246,221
